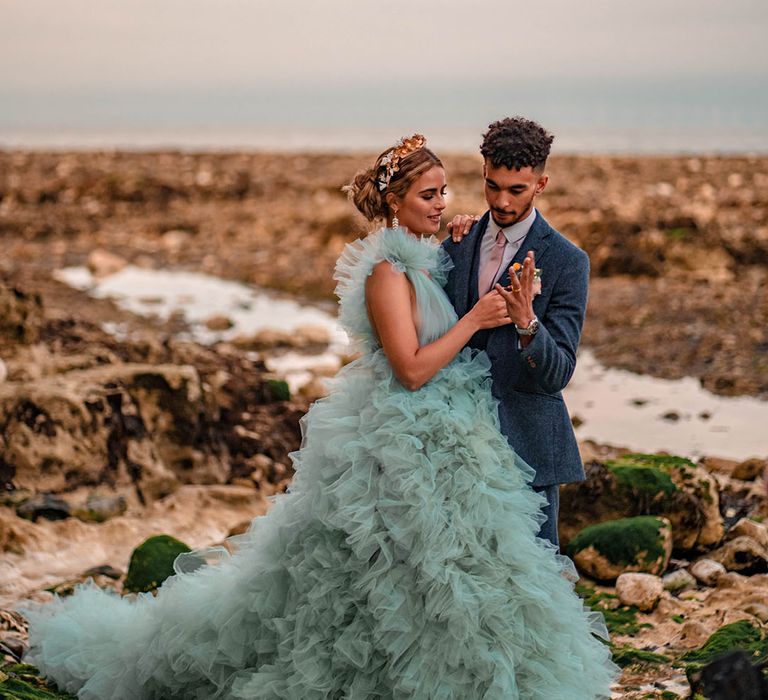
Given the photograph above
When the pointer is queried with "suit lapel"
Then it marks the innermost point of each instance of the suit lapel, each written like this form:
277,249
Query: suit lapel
465,267
536,240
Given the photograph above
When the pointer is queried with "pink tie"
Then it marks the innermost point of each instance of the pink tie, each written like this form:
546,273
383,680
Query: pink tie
492,266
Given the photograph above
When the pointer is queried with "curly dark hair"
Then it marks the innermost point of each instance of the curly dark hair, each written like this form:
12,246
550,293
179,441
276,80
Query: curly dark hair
516,143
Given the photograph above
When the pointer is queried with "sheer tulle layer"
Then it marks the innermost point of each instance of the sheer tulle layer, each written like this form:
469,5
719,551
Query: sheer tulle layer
402,564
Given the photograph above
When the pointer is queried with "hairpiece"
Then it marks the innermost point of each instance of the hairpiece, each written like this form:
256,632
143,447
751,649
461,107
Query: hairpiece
390,163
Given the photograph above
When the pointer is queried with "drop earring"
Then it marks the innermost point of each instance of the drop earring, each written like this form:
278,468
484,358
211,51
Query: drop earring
395,220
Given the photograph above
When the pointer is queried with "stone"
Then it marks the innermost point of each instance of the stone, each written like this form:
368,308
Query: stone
629,485
642,591
731,579
44,505
679,580
219,323
606,550
103,570
749,469
308,335
742,554
152,563
750,528
97,509
758,610
707,571
102,263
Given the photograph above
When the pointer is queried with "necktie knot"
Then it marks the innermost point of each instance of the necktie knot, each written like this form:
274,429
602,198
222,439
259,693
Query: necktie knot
501,239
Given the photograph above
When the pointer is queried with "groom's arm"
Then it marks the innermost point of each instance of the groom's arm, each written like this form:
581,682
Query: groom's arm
550,357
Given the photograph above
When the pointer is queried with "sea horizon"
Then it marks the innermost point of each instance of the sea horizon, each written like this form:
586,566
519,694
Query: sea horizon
599,140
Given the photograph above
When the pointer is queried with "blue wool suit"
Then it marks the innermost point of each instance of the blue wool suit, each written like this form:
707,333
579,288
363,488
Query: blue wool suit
528,382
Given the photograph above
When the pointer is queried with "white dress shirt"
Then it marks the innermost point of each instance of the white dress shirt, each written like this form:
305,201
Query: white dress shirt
515,235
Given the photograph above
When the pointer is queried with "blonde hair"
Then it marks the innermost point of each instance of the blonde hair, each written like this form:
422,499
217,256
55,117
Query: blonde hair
364,190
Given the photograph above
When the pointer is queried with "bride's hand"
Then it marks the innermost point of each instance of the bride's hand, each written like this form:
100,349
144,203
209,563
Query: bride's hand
490,311
460,225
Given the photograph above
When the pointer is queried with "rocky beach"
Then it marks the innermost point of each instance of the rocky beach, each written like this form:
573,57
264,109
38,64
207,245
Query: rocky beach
121,423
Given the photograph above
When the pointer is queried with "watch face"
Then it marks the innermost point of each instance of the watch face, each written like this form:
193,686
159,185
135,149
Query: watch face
533,326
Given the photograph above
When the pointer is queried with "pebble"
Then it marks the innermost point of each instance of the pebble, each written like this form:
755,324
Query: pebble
679,580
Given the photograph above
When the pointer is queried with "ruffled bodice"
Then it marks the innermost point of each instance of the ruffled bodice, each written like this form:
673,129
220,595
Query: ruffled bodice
422,260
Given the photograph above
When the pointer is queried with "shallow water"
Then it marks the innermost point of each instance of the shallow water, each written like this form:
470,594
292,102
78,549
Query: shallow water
615,406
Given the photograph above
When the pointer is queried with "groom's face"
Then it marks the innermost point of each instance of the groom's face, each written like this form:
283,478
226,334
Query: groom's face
510,193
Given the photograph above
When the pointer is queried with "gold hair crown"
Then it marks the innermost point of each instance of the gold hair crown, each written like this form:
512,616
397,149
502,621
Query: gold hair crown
390,163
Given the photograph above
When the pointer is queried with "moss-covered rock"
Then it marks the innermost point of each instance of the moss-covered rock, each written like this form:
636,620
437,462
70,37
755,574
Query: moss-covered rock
606,550
152,563
23,682
278,390
646,484
737,635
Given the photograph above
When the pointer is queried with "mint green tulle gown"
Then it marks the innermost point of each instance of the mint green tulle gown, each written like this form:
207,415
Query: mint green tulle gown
402,563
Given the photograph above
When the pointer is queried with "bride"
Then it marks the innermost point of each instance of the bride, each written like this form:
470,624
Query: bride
403,561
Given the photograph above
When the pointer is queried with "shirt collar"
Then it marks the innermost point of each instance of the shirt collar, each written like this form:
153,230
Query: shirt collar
516,232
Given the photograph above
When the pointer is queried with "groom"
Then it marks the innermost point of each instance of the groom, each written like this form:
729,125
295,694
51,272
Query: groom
533,359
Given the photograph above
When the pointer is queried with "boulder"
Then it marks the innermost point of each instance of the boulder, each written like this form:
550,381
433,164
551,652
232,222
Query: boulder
128,424
749,528
642,591
152,563
606,550
644,484
742,554
707,571
749,469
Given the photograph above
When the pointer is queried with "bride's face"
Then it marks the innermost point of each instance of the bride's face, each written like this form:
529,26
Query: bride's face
420,210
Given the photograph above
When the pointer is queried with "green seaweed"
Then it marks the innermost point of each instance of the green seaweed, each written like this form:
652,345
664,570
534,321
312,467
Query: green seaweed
620,619
623,541
152,563
649,474
737,635
680,619
629,656
23,682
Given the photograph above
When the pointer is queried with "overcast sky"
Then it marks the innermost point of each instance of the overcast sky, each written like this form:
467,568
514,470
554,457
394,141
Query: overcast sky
693,51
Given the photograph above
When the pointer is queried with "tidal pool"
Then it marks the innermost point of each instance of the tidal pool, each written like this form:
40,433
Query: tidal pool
613,406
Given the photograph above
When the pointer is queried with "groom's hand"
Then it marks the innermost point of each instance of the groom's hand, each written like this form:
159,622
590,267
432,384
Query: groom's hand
460,226
519,295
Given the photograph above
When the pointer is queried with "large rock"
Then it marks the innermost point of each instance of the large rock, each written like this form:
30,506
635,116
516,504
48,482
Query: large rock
119,424
749,528
152,562
642,484
742,554
606,550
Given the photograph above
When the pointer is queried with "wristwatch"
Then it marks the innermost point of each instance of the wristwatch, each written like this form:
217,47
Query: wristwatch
531,329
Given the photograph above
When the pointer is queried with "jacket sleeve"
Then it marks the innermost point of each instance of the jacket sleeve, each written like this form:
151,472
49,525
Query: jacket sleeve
550,358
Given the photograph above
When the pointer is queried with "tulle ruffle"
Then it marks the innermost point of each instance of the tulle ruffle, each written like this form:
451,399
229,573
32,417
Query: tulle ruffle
402,563
406,252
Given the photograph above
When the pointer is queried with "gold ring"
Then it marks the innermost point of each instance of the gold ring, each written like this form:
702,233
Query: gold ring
516,291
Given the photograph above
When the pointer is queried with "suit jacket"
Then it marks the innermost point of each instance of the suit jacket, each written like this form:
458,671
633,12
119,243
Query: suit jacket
528,382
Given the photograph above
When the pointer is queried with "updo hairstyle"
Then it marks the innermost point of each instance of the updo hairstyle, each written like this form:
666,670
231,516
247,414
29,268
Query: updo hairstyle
364,189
